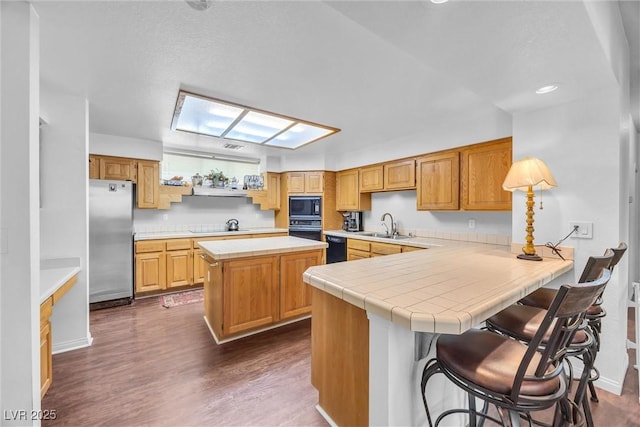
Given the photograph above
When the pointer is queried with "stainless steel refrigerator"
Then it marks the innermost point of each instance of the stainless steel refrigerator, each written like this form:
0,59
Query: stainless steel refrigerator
110,241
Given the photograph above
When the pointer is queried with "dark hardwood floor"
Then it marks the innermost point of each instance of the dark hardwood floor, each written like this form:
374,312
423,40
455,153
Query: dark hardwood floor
153,366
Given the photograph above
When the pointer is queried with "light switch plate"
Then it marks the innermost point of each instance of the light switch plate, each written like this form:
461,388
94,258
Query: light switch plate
585,229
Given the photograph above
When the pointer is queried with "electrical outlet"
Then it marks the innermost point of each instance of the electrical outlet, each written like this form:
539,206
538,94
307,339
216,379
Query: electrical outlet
472,224
585,229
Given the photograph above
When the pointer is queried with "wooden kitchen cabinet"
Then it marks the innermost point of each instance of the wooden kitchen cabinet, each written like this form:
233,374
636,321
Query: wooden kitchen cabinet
400,175
148,185
269,197
46,358
250,293
305,182
359,249
483,169
295,295
150,272
179,268
372,178
348,195
94,167
438,185
117,168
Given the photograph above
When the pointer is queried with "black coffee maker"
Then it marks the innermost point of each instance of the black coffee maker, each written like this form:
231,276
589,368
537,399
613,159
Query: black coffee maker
352,221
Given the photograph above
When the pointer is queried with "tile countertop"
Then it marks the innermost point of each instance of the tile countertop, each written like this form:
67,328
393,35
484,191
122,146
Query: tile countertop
54,273
420,242
242,248
187,234
445,289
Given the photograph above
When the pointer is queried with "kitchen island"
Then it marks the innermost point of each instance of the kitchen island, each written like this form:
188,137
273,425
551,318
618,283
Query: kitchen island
375,322
252,285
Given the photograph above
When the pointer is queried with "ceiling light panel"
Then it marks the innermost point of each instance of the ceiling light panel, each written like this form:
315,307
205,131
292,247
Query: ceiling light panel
212,117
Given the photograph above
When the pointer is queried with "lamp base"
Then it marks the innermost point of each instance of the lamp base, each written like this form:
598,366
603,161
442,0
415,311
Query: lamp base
533,257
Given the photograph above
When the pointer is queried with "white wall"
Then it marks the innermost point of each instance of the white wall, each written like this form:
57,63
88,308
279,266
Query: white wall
580,144
64,204
402,205
120,146
198,211
20,257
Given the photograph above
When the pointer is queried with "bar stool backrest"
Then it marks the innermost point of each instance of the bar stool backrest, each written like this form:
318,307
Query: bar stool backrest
617,254
564,316
595,265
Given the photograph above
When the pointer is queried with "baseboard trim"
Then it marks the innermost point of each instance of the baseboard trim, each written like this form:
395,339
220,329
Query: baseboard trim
604,383
326,416
253,331
65,346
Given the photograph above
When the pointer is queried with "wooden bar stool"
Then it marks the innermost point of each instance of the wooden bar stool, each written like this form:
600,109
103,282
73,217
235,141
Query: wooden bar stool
515,377
522,322
542,298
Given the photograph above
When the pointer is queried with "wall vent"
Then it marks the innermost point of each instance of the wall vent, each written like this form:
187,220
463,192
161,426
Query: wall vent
233,146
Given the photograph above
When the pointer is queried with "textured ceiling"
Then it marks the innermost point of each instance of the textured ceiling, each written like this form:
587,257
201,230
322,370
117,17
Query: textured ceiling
378,70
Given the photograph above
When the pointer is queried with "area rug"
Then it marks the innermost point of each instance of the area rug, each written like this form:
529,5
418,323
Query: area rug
181,298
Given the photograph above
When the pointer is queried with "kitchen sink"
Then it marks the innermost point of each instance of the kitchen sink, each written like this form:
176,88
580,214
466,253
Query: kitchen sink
386,236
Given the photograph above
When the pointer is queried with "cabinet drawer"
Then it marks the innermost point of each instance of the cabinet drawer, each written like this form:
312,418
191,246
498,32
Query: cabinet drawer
360,245
385,249
354,254
411,248
149,246
178,244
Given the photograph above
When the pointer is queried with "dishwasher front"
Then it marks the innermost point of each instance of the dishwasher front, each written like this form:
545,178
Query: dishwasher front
337,250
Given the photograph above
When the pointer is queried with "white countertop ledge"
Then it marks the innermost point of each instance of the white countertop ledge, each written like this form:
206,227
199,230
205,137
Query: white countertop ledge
195,234
54,273
242,248
446,289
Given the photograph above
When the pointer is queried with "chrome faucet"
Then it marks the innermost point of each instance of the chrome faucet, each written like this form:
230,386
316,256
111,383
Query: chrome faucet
394,231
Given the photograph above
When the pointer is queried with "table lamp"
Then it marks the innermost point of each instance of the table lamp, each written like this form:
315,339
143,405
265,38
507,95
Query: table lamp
525,175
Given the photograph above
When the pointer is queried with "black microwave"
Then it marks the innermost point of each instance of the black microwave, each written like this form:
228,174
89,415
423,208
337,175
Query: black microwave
305,207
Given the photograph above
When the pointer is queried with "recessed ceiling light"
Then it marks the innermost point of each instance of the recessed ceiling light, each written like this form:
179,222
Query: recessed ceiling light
439,1
546,89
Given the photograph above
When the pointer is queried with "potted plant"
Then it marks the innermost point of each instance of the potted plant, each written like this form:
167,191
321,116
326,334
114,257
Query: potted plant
217,178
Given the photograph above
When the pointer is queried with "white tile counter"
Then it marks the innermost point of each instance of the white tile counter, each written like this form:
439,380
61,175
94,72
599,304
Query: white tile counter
195,234
54,273
241,248
448,288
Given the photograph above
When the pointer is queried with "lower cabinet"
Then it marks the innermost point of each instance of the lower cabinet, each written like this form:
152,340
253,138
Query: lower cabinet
359,249
251,293
46,359
168,264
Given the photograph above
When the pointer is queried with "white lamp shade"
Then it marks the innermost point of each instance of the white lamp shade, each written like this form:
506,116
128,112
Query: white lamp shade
529,172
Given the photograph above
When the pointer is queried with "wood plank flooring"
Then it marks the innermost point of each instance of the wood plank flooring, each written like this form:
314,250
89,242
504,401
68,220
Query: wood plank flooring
153,366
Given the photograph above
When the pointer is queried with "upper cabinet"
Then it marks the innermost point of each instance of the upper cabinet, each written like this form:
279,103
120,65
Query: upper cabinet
145,173
484,168
468,178
396,175
400,175
348,195
269,197
305,182
438,183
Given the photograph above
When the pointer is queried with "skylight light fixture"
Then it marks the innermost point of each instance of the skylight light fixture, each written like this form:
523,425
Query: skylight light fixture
212,117
546,89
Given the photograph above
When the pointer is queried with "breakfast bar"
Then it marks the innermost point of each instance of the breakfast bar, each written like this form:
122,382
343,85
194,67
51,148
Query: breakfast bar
375,322
252,285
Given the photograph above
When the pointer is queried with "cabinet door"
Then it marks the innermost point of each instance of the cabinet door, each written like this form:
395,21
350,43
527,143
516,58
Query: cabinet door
273,190
378,249
484,168
295,295
148,185
46,360
199,266
295,182
150,272
400,175
115,168
94,167
438,181
179,268
354,254
371,178
213,305
347,194
250,293
314,182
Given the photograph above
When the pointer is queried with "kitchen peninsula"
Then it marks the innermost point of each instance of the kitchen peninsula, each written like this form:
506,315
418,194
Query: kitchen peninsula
375,322
252,285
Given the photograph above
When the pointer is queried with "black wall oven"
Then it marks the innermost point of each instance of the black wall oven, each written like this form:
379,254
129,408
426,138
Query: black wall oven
305,217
